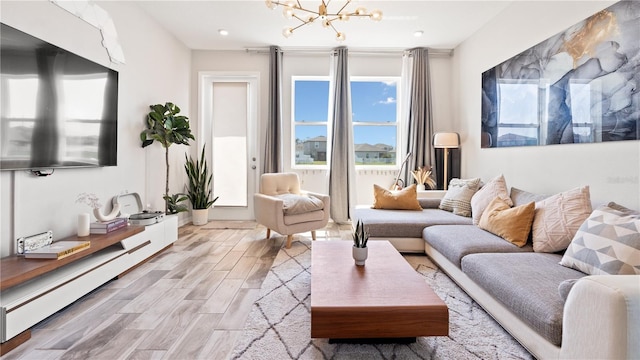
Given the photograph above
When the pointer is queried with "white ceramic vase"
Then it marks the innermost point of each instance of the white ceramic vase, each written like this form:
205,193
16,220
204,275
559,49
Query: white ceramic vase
421,187
199,216
84,220
360,255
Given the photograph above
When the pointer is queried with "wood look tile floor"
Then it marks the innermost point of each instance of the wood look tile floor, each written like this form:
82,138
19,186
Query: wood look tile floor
189,302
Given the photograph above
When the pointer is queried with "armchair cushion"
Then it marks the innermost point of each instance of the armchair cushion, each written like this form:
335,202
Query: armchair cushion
293,204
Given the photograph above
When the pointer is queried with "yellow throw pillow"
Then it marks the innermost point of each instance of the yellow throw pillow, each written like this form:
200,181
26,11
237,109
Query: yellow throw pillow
405,199
511,224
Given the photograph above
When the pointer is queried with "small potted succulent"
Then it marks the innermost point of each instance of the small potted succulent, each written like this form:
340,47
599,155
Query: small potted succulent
360,239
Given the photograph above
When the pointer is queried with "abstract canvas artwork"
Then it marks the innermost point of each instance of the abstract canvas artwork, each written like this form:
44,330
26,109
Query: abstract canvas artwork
579,86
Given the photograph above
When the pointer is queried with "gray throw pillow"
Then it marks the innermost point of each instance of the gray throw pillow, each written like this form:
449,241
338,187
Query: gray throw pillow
521,197
300,204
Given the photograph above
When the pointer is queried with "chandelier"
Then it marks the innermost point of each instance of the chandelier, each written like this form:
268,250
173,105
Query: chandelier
293,9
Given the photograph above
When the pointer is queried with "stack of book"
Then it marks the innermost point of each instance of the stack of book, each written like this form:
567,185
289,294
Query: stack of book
108,226
57,250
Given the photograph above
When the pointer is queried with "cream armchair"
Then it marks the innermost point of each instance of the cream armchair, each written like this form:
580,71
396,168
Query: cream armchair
282,207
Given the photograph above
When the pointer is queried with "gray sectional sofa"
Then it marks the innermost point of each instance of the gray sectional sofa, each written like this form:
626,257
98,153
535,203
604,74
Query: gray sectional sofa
599,319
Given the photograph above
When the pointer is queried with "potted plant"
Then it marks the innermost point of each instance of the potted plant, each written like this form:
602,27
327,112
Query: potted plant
199,188
423,178
173,203
167,127
360,239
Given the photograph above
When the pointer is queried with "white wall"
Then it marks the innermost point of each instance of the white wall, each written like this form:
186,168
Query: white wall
317,64
610,169
156,71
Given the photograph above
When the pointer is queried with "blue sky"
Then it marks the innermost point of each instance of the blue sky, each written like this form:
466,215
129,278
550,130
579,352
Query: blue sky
372,101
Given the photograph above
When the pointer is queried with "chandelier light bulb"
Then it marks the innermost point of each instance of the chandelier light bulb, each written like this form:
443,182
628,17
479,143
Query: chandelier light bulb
287,32
341,36
270,4
288,12
343,17
326,23
376,15
361,11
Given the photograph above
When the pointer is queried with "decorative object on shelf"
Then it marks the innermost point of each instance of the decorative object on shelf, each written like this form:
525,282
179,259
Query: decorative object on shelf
446,141
174,201
294,9
578,86
84,221
93,202
167,127
199,190
360,251
423,178
395,185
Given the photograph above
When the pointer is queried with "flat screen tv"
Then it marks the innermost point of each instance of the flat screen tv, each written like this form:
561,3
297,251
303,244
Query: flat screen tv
59,110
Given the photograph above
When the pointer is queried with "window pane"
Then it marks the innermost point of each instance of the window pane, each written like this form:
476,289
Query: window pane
311,100
517,136
374,101
375,145
311,145
518,104
22,98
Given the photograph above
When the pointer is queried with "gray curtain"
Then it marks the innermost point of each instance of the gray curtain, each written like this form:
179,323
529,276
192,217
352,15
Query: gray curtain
342,162
418,112
272,162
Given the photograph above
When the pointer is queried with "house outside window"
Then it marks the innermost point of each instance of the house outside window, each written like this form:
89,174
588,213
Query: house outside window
375,121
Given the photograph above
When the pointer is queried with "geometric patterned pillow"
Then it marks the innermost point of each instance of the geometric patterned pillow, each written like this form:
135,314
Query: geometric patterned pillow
607,243
458,196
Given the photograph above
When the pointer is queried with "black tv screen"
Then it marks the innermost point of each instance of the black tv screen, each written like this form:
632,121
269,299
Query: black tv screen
58,109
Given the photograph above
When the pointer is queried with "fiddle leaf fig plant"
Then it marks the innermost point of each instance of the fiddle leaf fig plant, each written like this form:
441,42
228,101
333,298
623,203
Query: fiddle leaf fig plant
165,126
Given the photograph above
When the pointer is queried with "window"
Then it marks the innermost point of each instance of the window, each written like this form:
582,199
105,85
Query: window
374,102
518,113
310,113
375,120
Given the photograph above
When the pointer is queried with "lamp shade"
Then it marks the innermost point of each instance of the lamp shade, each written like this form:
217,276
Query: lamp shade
446,140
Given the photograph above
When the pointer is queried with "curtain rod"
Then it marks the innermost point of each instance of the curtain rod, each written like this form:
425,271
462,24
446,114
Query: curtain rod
372,52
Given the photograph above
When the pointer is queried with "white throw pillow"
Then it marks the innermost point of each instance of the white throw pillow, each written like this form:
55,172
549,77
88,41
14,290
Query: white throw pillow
458,196
496,187
558,218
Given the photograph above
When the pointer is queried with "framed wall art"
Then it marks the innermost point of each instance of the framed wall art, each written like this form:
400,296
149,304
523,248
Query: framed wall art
579,86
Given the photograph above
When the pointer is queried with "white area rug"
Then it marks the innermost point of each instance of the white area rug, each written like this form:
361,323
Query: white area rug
279,324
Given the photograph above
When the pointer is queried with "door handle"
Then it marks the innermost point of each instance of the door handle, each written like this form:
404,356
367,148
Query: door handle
253,167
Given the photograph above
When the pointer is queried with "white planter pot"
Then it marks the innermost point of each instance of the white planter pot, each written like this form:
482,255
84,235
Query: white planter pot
360,255
200,216
421,187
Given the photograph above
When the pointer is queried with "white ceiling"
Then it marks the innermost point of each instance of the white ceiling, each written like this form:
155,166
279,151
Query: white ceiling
251,24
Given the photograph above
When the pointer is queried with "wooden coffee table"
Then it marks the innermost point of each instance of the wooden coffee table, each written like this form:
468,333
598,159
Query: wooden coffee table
384,299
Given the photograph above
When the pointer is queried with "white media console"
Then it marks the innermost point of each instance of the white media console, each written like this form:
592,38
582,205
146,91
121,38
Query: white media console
32,289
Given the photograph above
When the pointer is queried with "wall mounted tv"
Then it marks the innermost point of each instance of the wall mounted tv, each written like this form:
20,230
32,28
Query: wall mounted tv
59,110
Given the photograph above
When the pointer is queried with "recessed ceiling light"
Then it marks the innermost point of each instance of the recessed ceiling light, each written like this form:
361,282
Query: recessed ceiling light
418,33
223,32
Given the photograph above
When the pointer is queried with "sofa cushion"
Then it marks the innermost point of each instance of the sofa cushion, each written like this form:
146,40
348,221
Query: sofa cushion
496,187
527,284
607,243
405,199
400,223
458,196
456,241
558,218
511,224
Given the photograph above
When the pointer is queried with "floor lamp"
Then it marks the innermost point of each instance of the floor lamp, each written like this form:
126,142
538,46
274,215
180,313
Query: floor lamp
446,141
